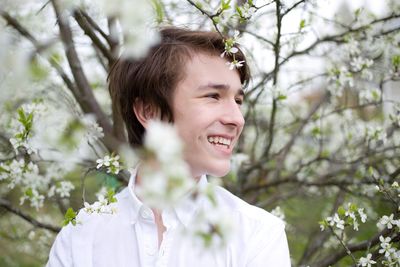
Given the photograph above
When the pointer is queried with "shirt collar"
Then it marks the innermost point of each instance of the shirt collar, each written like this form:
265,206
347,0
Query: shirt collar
184,211
137,204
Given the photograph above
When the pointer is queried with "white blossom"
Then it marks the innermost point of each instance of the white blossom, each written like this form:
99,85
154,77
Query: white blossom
110,163
367,261
388,221
101,206
352,47
335,221
246,11
65,188
363,216
386,247
235,64
359,63
94,131
278,213
376,133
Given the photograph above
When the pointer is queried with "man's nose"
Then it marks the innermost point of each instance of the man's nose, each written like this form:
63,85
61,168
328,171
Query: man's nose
232,115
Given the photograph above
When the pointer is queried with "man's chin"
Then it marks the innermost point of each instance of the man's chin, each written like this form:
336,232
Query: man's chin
220,171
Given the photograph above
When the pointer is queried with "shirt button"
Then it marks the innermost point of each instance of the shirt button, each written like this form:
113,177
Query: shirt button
146,213
150,250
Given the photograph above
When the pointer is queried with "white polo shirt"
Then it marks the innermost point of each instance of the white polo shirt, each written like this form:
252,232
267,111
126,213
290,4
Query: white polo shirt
129,237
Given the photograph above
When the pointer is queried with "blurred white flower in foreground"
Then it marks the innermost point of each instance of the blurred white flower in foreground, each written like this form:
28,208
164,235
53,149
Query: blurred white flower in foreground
165,176
212,227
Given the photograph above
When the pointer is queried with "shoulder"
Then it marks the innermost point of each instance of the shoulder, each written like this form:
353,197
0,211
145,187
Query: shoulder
247,212
261,236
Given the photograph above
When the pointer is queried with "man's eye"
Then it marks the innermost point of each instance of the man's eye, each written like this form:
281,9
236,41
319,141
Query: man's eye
239,101
215,96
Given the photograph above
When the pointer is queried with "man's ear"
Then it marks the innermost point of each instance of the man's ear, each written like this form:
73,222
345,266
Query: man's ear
145,112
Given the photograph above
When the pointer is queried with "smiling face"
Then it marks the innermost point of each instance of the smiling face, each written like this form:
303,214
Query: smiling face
207,115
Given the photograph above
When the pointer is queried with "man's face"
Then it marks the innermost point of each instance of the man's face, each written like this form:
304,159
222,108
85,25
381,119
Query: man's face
206,108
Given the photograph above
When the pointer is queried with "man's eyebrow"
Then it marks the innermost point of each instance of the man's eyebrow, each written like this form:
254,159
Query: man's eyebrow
220,86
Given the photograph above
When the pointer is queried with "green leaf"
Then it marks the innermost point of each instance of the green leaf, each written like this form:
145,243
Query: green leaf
341,211
316,131
3,170
37,70
281,97
396,61
370,170
199,4
158,8
69,217
225,5
325,153
239,11
302,24
22,117
29,192
56,58
357,12
111,196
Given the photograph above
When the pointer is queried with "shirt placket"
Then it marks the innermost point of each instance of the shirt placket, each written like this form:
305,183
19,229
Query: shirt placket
170,222
146,232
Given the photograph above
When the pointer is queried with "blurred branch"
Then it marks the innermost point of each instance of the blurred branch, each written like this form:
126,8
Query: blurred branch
7,205
86,27
339,38
95,26
210,16
287,11
11,21
85,97
277,47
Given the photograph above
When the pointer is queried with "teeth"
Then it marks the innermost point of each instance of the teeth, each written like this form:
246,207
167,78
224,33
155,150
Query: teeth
219,140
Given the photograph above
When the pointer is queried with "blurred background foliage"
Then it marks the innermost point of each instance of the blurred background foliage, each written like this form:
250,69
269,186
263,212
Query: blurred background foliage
322,115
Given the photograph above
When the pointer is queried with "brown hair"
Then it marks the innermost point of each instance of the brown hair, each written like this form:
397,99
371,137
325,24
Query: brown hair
153,78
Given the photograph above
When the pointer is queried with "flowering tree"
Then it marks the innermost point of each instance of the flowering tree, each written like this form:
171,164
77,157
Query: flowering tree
320,147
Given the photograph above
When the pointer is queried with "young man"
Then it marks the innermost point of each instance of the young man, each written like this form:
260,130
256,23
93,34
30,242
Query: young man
183,80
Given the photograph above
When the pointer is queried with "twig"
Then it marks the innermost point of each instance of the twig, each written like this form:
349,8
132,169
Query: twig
7,205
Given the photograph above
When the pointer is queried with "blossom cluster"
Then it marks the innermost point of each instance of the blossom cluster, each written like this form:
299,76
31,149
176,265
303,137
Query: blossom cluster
388,222
103,205
33,184
110,163
356,71
390,252
349,216
231,50
23,126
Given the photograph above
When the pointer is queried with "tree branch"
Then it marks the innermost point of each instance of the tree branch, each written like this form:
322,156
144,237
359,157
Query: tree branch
85,97
86,27
7,205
